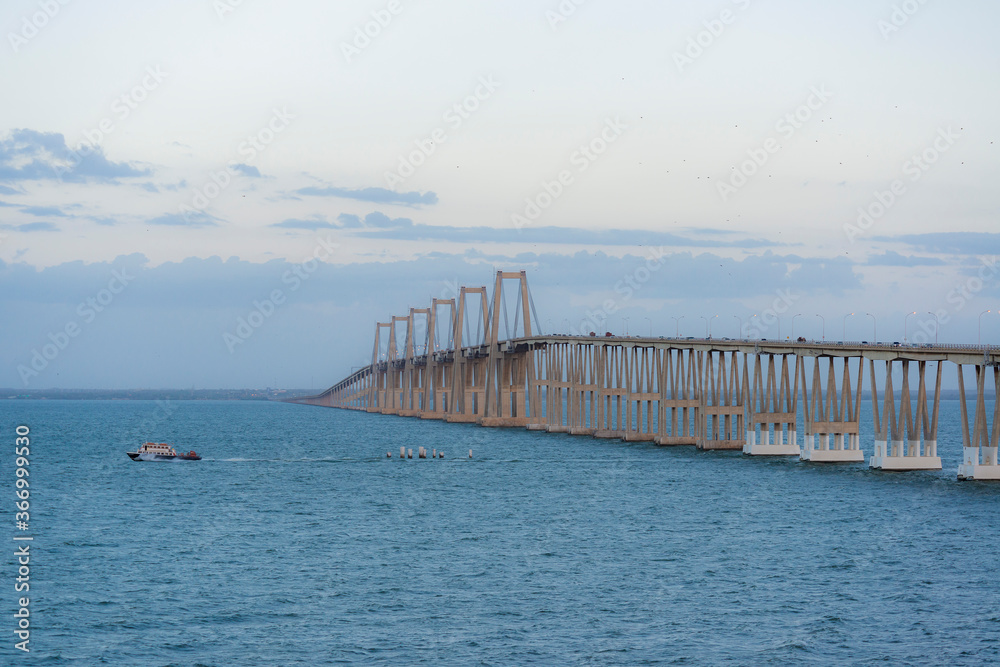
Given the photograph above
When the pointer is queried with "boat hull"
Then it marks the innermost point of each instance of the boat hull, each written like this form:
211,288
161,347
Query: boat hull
136,456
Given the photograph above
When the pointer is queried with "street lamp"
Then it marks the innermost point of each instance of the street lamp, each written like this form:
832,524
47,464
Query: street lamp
874,328
793,323
548,322
650,326
905,319
824,324
979,338
677,321
739,332
710,325
844,334
749,325
937,325
706,324
626,326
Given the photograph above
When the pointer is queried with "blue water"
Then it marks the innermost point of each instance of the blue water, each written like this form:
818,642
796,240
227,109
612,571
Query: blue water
295,542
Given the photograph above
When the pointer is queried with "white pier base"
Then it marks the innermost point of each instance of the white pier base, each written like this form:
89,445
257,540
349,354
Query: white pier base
765,448
852,454
971,468
883,459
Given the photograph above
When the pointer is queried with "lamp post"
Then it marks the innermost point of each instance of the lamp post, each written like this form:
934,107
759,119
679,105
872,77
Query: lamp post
548,322
979,337
793,323
844,334
626,326
739,332
706,324
874,328
677,322
710,325
751,317
824,324
905,319
937,325
650,326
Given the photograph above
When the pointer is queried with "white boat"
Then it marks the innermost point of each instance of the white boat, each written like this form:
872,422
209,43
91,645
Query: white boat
161,451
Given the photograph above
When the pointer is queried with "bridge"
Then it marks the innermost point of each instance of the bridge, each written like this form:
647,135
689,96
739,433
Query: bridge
714,394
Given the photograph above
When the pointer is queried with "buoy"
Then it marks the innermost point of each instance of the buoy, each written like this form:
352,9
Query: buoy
388,455
440,455
434,453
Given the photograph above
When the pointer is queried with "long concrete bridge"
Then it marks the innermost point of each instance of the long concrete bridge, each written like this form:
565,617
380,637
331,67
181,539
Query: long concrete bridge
747,395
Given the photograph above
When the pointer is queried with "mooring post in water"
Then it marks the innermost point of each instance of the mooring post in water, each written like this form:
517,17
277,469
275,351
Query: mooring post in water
402,452
409,453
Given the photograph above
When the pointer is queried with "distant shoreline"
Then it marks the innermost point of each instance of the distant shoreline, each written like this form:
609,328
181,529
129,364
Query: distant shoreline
267,394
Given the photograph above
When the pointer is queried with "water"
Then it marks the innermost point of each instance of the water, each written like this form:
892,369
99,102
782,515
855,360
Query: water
295,542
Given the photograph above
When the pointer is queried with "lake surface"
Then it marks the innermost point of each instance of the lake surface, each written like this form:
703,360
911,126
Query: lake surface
295,542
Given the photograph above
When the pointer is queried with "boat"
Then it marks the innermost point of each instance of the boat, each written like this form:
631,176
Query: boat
161,451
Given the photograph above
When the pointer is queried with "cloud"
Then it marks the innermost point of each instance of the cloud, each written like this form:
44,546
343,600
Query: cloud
375,195
27,155
43,211
247,170
196,219
314,223
4,190
958,243
379,225
890,258
32,227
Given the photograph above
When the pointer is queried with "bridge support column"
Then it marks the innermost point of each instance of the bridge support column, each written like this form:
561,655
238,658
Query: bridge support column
680,398
774,408
983,440
722,407
903,452
824,416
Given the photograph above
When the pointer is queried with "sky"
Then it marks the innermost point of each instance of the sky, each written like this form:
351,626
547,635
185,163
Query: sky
227,194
